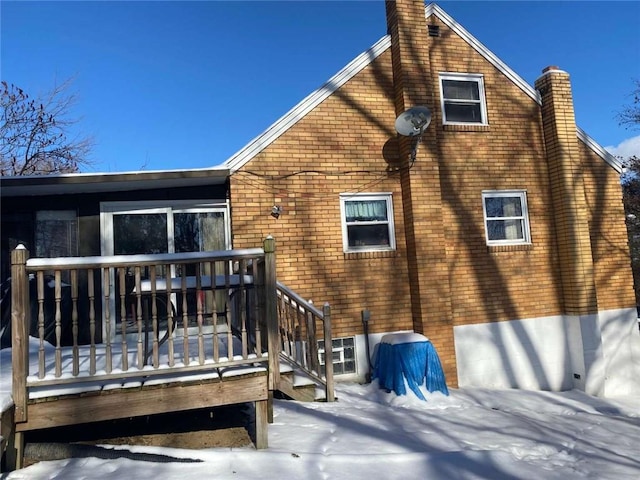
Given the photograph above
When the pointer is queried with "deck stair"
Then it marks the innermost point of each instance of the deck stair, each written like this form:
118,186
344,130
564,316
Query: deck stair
305,340
297,384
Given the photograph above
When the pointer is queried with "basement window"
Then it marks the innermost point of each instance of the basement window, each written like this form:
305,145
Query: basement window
367,222
344,355
462,99
506,218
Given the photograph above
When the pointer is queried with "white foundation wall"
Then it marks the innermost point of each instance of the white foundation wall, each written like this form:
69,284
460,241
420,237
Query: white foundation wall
599,353
620,352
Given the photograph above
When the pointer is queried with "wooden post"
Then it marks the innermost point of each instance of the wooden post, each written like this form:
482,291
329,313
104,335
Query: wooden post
20,322
262,439
271,316
328,353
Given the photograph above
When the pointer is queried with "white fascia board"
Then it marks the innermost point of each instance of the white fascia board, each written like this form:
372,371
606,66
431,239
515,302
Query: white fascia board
482,50
290,118
433,9
616,163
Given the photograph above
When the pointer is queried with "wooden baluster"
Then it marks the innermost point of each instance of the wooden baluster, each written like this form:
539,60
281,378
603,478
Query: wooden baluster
41,355
58,321
141,359
257,320
283,327
213,295
227,283
300,353
74,322
243,309
106,284
185,316
170,319
92,320
123,317
199,313
154,315
312,342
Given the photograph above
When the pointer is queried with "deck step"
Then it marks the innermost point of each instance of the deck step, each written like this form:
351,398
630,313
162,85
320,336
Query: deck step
298,386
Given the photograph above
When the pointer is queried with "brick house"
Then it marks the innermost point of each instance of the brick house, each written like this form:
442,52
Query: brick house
503,240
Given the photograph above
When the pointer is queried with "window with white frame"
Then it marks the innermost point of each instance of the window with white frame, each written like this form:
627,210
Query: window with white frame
462,98
367,222
506,218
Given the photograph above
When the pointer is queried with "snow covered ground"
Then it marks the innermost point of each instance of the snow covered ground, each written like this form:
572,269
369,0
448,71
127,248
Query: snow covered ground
370,434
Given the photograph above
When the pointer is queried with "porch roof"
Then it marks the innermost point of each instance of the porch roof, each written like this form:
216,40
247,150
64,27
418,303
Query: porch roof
58,184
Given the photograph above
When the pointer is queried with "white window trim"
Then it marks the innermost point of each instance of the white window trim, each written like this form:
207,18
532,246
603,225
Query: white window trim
387,196
526,232
464,77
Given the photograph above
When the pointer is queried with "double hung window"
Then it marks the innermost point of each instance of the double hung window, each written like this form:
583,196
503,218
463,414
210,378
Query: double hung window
506,218
462,99
367,222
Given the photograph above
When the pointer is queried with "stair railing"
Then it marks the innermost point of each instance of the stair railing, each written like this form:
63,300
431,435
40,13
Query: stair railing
305,337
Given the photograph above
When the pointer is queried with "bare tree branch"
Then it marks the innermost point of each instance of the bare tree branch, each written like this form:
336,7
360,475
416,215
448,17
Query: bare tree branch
630,114
34,133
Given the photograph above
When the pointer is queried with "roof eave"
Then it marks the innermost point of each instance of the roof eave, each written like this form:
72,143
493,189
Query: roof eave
38,185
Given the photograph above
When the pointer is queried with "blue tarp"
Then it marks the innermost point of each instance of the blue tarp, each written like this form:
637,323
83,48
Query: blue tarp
417,362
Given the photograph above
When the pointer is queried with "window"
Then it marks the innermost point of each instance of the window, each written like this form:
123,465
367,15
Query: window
344,355
462,98
506,219
56,233
367,222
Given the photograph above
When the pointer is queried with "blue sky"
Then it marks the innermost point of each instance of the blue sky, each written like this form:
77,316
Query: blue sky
169,85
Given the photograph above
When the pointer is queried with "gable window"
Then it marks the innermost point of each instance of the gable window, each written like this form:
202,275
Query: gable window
367,222
462,98
506,219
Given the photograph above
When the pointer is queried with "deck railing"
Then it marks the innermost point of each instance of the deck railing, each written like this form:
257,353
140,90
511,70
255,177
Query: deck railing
305,337
125,316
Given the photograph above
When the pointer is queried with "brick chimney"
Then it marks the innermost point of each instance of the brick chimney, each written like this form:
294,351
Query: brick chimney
568,192
415,84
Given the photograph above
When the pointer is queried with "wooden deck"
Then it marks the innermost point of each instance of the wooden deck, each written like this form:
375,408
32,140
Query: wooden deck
103,338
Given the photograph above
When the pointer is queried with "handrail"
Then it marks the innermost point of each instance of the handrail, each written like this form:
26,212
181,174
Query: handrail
299,337
141,260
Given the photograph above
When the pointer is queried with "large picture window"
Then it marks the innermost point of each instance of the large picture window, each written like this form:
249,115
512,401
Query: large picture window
367,222
462,98
506,218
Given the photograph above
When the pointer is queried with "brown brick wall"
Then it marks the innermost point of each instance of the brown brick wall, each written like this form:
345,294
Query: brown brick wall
610,249
348,132
307,168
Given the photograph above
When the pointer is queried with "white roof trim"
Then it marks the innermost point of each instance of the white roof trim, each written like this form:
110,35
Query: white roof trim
432,8
290,118
615,162
259,143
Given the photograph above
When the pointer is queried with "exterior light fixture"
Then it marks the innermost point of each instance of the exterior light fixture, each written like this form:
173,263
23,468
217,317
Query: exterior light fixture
276,210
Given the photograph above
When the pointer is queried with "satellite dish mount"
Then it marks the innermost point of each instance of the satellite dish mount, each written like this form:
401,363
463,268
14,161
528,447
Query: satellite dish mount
413,123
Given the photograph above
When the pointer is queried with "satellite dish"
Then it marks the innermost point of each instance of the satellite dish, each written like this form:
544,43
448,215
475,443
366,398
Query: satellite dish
413,122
